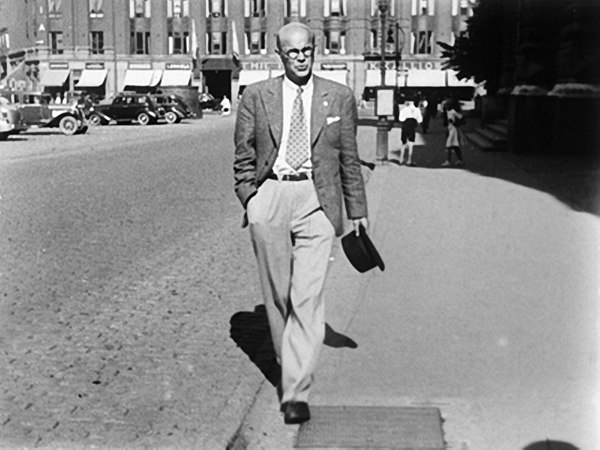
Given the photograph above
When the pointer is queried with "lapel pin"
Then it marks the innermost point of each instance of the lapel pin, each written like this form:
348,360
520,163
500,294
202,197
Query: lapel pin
325,103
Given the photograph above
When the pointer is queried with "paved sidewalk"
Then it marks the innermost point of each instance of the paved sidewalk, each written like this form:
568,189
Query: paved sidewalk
487,308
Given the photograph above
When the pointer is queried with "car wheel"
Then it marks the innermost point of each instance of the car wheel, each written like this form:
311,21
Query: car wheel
68,125
95,120
143,118
171,117
82,130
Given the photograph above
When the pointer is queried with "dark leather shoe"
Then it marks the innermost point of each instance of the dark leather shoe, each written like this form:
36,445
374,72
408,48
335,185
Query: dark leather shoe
296,412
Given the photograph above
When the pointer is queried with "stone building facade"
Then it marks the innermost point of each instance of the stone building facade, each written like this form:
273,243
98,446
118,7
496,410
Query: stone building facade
105,46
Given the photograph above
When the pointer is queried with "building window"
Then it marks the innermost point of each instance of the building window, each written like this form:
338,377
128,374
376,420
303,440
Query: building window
140,43
139,8
256,43
375,7
295,8
334,8
216,43
255,8
56,43
54,8
4,41
335,43
97,42
178,8
423,43
96,8
375,40
216,8
179,43
423,7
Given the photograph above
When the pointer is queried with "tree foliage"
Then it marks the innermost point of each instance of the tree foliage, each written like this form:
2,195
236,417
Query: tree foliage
478,54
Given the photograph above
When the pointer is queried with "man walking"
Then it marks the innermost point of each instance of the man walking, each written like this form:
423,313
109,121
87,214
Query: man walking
410,118
296,157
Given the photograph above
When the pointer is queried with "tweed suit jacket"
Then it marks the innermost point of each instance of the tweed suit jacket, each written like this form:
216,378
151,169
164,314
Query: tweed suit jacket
336,165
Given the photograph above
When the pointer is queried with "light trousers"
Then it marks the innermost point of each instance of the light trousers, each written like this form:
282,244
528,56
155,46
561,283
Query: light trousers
292,240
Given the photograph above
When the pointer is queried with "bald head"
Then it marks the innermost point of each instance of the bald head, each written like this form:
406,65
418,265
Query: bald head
296,48
291,30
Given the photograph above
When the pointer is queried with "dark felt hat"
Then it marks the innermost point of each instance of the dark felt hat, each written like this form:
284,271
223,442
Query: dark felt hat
361,252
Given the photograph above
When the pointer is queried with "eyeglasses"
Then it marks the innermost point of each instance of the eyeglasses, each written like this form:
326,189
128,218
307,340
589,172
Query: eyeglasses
294,52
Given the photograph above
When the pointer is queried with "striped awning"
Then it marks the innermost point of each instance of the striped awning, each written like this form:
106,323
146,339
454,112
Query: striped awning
172,77
54,78
142,77
426,78
252,76
453,80
374,78
339,76
92,78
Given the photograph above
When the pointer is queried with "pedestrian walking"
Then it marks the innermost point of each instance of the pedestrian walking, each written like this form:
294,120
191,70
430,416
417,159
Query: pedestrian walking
429,111
295,159
225,106
454,139
410,118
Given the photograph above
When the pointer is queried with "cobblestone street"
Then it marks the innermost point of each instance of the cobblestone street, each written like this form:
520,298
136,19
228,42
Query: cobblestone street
123,261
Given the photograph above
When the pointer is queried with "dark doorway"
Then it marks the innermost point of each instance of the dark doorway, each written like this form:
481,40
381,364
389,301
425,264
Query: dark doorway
218,83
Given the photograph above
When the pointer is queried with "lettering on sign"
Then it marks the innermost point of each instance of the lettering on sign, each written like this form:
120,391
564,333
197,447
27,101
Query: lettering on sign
94,65
58,65
178,66
261,65
134,65
334,66
405,65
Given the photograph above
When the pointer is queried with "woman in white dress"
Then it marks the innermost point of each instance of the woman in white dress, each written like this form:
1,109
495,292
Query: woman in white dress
455,137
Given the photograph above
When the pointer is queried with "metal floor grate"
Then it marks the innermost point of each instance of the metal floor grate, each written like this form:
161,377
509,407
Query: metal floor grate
370,427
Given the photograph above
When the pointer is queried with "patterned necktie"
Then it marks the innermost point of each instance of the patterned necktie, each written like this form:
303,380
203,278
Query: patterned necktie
297,146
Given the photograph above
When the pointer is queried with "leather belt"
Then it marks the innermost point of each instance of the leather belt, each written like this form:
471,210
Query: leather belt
291,177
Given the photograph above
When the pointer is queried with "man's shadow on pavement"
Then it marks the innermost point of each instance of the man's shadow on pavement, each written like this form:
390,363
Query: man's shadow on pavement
250,331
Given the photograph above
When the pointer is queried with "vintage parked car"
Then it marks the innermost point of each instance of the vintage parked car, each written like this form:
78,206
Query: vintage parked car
126,107
11,119
175,108
38,110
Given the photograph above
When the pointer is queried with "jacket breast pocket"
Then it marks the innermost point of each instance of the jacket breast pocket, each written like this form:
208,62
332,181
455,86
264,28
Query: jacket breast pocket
333,133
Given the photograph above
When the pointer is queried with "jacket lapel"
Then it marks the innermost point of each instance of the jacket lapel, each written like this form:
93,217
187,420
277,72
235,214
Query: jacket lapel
319,110
273,104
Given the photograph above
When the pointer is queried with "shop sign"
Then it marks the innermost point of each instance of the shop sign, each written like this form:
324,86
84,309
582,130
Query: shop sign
405,65
94,65
178,66
138,65
261,65
334,66
58,66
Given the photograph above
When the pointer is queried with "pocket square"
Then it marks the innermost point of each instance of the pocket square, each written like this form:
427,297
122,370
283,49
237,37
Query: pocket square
331,120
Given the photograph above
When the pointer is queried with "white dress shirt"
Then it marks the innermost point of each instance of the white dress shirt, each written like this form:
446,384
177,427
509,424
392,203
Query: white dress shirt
290,90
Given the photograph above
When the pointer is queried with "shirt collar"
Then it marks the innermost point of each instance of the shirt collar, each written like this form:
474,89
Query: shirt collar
287,84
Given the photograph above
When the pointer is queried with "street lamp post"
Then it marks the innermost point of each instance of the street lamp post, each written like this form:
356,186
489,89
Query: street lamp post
399,46
381,150
383,7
